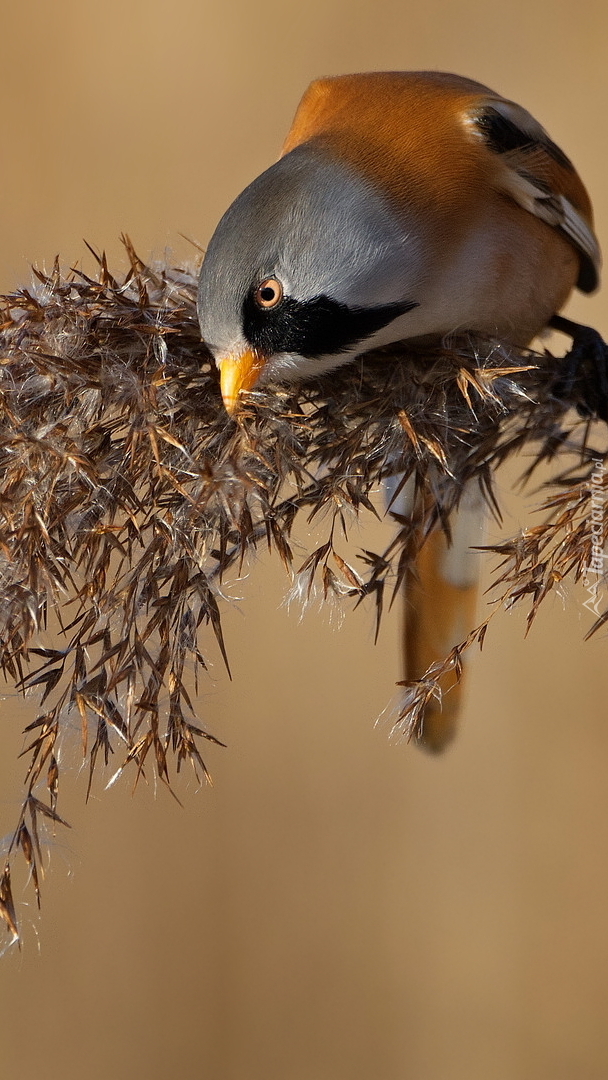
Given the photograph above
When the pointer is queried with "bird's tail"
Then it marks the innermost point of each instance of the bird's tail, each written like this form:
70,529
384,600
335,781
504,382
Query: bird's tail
440,599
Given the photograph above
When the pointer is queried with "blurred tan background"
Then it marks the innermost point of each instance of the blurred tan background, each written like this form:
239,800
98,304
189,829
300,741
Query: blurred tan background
335,907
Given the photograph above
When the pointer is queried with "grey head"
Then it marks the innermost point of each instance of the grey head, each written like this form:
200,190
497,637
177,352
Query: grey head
336,255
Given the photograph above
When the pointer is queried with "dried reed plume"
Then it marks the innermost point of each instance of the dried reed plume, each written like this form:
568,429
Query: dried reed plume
127,493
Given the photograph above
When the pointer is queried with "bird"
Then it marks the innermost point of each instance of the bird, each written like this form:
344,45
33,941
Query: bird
405,206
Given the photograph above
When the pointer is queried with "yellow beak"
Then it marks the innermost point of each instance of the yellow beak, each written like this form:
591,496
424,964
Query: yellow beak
238,373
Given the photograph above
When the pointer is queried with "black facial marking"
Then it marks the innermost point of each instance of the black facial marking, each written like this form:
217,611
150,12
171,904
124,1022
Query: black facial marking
316,327
502,136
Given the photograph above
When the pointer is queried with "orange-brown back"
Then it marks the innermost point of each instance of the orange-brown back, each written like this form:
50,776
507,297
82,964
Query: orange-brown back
413,134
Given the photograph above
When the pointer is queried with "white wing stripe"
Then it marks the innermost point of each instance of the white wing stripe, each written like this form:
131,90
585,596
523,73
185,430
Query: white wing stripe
556,210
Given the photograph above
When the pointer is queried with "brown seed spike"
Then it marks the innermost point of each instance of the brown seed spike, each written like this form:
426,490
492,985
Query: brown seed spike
127,498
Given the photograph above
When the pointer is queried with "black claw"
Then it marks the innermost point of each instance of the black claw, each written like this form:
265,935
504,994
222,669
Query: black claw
583,374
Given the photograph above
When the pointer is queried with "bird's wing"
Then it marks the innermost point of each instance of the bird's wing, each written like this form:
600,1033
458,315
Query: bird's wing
440,601
530,168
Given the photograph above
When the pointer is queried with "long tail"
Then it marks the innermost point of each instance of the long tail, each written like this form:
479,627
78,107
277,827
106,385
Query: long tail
440,600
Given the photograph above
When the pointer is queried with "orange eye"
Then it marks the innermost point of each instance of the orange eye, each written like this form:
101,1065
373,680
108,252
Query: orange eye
269,293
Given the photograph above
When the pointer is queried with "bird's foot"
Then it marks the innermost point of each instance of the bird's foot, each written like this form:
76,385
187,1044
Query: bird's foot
583,374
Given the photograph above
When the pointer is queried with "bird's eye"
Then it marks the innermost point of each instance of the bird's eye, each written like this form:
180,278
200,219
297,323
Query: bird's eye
269,293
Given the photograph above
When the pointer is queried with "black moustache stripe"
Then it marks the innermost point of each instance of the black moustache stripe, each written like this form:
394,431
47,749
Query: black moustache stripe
313,328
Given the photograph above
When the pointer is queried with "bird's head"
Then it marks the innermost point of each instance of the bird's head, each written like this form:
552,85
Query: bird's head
306,270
